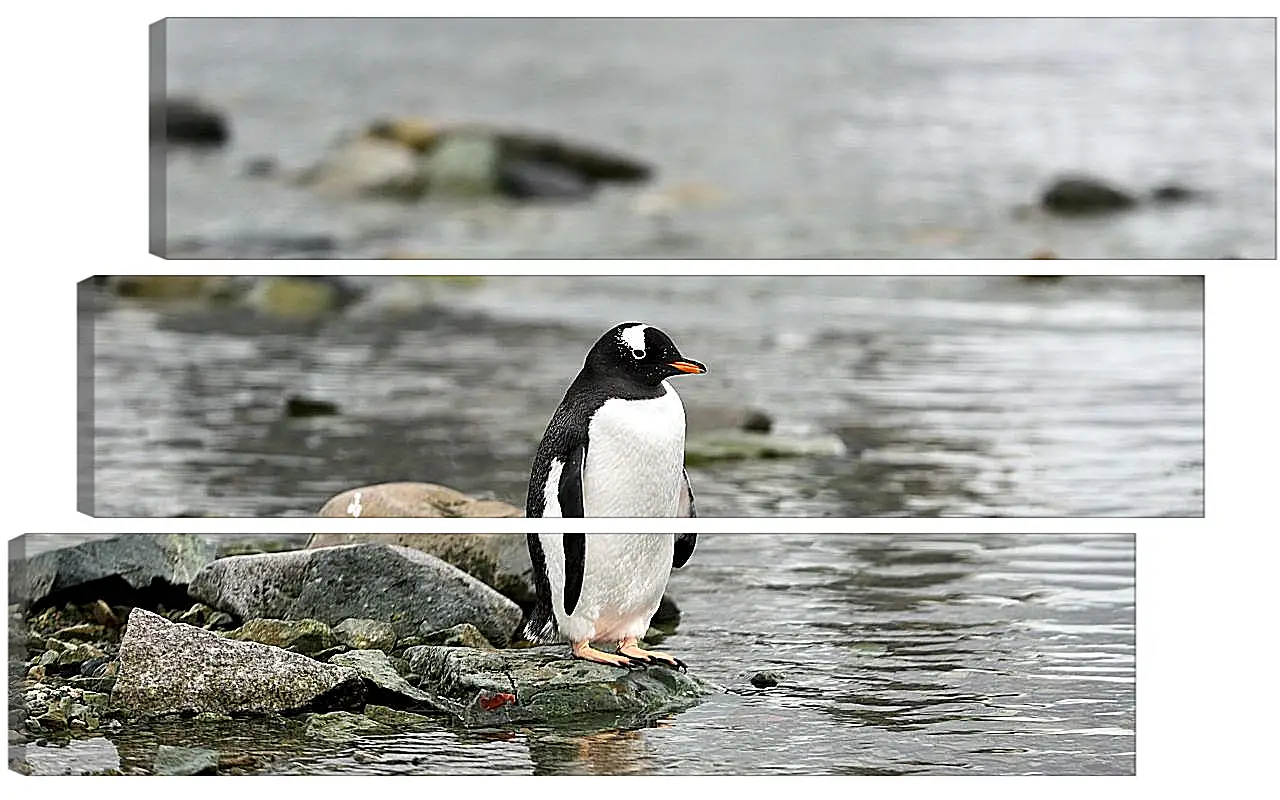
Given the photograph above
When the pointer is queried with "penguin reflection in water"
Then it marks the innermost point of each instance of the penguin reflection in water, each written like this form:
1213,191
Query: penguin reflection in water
613,448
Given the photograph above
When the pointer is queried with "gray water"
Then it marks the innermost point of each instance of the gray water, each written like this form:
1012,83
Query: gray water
954,395
854,138
941,654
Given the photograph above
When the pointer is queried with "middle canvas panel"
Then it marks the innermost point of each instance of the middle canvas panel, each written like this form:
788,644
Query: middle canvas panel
724,396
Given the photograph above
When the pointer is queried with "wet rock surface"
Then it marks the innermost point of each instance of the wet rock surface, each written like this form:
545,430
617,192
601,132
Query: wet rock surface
192,680
138,561
172,760
545,684
170,668
397,585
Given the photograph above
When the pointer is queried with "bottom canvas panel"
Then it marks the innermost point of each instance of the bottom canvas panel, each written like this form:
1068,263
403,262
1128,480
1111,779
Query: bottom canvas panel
788,653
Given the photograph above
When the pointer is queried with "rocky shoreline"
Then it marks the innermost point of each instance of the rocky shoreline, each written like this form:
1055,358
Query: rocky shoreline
347,638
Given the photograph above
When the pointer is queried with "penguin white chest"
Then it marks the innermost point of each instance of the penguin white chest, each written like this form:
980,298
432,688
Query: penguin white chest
623,578
634,458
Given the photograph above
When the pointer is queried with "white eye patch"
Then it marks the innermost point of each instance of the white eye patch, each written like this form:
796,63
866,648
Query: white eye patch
633,338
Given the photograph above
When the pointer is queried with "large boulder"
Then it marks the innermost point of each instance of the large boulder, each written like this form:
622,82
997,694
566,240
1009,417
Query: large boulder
171,668
121,564
408,499
407,588
500,560
545,684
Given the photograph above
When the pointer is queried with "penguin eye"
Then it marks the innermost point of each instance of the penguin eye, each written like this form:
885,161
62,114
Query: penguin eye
638,355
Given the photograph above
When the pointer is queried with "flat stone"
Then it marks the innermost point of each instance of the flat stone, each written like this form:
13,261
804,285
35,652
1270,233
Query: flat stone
741,445
343,726
395,717
307,636
464,635
546,684
170,668
185,761
366,634
136,559
384,683
397,585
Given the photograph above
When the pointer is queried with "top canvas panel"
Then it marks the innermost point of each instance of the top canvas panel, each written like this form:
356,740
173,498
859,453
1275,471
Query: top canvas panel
713,138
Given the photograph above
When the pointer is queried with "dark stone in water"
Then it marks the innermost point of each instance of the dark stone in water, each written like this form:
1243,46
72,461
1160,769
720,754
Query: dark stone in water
1084,195
766,680
299,406
1171,193
184,120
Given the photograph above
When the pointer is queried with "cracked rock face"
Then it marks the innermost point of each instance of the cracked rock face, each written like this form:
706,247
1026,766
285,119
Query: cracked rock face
171,668
405,588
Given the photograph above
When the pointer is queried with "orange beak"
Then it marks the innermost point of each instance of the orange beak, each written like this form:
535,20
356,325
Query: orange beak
692,367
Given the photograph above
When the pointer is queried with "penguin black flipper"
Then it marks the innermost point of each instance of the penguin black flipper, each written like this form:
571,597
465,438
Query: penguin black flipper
685,542
686,508
575,561
541,625
569,492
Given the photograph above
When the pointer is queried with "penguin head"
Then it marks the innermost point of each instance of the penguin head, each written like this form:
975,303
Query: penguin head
639,353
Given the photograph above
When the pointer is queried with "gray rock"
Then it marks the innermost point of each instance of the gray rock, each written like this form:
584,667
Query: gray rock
766,680
545,684
464,635
383,683
728,445
365,634
407,499
705,418
188,121
138,559
306,636
168,668
365,166
1082,194
185,761
397,585
500,560
342,726
395,717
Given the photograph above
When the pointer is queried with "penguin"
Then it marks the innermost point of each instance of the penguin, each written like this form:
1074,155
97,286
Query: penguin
614,447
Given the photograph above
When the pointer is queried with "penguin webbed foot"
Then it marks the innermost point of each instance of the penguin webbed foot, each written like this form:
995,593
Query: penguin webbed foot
586,652
631,649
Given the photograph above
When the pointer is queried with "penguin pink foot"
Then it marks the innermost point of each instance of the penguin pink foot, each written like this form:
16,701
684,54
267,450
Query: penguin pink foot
630,648
586,652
